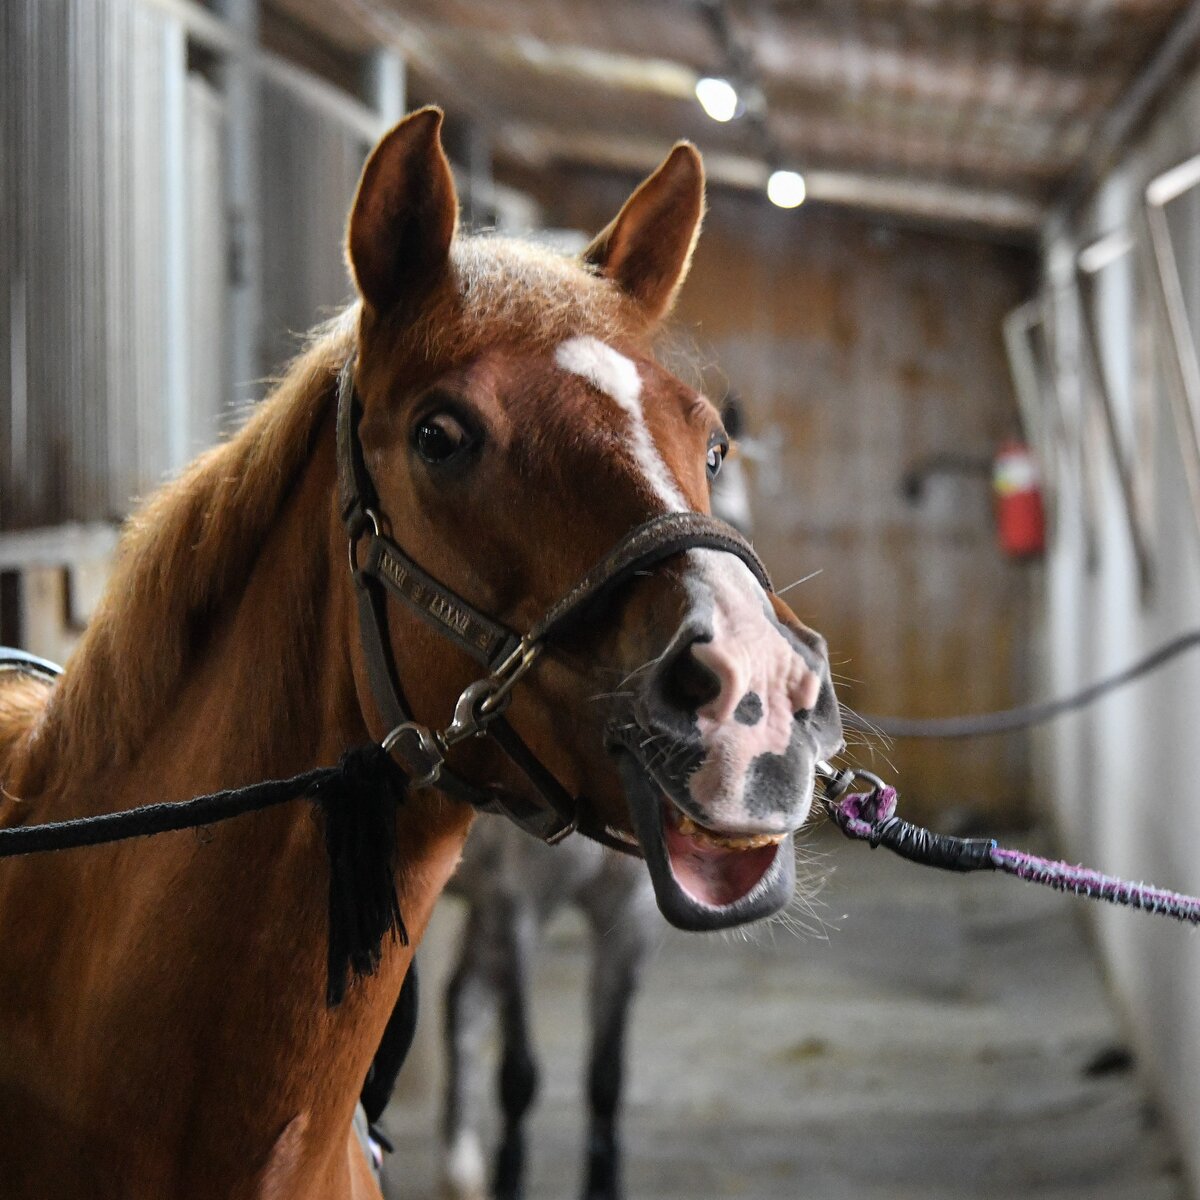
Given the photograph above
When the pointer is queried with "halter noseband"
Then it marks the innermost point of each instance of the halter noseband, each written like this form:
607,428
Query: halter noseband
385,568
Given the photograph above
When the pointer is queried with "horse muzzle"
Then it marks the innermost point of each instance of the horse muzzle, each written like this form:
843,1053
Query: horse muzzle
718,758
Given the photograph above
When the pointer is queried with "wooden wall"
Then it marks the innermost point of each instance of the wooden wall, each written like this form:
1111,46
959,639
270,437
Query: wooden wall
863,349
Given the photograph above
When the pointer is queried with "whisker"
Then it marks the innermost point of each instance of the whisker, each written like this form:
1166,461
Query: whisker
646,666
798,582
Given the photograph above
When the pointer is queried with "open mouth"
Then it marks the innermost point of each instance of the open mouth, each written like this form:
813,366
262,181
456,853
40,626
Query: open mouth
704,879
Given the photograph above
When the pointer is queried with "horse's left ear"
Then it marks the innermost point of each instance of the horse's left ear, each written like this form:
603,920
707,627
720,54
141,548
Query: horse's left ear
647,249
404,213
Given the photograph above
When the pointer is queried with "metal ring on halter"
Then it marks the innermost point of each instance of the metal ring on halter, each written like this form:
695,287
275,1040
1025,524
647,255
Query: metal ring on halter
371,516
877,786
836,783
428,746
507,674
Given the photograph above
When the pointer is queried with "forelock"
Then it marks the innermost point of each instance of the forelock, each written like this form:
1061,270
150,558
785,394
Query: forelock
507,291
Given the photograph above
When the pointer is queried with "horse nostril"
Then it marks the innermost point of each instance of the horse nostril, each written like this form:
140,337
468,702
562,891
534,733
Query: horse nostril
687,683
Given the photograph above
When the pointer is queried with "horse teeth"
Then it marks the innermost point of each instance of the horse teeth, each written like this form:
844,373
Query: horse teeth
707,837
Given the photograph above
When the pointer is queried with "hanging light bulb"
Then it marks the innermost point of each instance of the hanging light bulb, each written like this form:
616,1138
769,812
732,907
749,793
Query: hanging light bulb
718,98
786,189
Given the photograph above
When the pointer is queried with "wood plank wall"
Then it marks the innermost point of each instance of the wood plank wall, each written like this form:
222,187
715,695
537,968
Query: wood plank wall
865,349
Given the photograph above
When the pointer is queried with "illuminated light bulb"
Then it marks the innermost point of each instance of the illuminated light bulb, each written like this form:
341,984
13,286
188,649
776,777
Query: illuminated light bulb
786,189
718,98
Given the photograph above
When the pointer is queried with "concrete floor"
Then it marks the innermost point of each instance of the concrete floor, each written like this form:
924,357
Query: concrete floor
936,1037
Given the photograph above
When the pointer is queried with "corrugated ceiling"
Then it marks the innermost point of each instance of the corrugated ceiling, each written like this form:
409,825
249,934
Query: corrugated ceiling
960,107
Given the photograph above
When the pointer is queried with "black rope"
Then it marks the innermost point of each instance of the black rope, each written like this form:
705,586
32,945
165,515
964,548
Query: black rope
151,819
1026,715
930,849
357,799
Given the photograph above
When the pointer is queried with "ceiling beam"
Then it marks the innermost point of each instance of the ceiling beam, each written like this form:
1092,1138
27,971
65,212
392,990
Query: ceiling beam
933,203
1174,54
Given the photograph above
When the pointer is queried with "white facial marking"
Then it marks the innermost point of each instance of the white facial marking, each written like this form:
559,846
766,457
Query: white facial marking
747,652
612,373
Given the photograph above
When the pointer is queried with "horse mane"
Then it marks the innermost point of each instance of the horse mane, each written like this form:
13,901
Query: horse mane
189,548
180,556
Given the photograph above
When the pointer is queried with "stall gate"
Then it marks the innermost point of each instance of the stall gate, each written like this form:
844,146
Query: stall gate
172,200
134,206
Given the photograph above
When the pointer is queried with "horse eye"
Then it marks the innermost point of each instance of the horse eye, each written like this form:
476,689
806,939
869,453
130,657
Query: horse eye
439,437
716,456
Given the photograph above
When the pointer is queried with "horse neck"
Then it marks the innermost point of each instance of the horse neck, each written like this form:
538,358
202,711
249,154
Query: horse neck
209,967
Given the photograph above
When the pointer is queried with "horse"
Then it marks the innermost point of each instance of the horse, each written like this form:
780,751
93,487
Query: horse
512,885
167,1026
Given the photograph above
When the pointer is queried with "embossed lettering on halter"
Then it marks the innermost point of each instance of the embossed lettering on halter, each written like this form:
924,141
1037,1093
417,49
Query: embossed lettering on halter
431,599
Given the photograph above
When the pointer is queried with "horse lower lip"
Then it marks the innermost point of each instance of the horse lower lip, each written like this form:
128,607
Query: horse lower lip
710,869
699,886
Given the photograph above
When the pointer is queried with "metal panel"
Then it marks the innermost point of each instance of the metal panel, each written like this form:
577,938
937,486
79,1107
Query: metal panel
311,161
1175,190
122,190
85,93
209,374
1107,274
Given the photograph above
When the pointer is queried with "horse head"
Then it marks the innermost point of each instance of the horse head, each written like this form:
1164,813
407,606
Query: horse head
516,426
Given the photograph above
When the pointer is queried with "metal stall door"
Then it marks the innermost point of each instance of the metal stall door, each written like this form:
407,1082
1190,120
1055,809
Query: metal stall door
311,158
210,373
90,92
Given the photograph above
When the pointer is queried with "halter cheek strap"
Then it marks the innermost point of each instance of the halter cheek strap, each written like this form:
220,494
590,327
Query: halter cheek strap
380,568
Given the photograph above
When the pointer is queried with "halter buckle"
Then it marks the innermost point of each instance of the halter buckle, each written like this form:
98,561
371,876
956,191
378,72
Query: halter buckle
358,527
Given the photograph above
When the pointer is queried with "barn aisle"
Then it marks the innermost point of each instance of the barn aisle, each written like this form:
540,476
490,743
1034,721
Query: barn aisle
946,1038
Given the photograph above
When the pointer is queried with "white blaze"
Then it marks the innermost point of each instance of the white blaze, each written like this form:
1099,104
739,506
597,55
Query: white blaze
616,375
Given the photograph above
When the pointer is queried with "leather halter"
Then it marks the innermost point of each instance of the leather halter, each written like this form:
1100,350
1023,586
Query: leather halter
382,568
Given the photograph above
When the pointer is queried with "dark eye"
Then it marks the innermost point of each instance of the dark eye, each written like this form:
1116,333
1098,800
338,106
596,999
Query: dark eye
439,437
716,456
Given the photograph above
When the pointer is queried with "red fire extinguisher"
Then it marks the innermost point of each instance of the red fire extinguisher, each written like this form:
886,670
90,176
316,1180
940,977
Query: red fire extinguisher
1020,516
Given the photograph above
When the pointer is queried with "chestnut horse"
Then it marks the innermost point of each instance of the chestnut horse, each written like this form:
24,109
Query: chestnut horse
163,1025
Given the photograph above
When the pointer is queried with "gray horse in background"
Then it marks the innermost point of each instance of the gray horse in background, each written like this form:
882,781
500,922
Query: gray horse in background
513,884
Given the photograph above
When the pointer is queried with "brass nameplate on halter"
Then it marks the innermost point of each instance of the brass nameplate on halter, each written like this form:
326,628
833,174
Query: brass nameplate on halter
432,601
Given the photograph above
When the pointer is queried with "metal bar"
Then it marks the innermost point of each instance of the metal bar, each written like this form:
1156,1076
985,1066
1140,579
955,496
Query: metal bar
1076,436
1175,334
1004,213
1089,262
1164,188
199,23
221,35
175,246
58,546
1170,57
318,94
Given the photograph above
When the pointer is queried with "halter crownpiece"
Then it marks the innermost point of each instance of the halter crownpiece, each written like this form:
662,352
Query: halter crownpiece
385,569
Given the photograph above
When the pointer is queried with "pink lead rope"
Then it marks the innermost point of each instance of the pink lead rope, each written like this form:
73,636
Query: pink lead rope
871,817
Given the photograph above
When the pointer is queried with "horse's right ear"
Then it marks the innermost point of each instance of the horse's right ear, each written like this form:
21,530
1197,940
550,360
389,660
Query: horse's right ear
648,247
404,213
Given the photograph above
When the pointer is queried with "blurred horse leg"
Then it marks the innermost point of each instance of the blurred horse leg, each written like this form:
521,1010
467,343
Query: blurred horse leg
470,1002
518,1069
620,909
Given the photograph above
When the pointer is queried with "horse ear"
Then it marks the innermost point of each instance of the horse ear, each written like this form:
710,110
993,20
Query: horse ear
647,249
404,213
